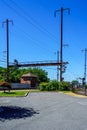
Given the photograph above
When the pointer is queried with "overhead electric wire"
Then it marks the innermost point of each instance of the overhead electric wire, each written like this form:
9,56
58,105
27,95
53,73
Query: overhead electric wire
34,41
2,61
69,71
34,23
33,20
27,18
50,68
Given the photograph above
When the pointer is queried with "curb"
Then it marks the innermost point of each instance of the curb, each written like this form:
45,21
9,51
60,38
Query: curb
26,94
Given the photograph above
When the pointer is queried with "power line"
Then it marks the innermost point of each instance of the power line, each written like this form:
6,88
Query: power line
27,18
2,61
41,45
33,20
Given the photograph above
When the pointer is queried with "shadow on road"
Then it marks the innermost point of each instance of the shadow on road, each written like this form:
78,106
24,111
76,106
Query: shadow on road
15,112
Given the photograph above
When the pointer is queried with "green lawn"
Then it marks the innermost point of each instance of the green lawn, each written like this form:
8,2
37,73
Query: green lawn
13,93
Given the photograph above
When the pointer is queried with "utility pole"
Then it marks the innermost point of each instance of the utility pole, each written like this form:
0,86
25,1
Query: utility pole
85,65
85,51
61,37
58,66
7,43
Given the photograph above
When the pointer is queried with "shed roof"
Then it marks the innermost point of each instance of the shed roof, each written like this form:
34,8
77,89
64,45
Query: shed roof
28,75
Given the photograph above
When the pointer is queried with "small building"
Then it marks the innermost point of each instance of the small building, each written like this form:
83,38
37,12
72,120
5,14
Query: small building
30,79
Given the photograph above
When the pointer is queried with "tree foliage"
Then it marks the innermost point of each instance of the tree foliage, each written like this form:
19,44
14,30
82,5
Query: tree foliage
43,86
15,74
74,82
63,86
55,85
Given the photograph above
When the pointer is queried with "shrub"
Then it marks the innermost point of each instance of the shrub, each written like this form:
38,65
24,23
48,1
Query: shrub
5,85
64,86
53,85
43,86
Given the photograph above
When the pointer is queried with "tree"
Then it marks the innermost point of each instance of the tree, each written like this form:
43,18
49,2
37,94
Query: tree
2,74
74,82
41,74
16,73
5,86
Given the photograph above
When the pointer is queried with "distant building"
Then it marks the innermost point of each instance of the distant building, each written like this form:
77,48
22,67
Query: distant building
30,79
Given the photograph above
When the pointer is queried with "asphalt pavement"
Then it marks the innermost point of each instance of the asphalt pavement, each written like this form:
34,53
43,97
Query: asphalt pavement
43,111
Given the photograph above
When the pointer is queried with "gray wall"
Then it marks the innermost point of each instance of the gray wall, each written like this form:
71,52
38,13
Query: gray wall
20,86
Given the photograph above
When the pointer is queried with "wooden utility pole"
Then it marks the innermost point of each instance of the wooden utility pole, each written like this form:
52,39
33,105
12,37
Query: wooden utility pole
84,79
85,65
7,43
58,66
61,38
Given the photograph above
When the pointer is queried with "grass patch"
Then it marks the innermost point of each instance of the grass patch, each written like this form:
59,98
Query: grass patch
34,90
13,93
65,91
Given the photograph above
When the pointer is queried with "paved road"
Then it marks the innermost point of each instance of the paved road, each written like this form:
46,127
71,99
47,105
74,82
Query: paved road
44,111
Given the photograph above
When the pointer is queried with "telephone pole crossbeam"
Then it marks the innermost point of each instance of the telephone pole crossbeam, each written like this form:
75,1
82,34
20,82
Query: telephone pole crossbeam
61,36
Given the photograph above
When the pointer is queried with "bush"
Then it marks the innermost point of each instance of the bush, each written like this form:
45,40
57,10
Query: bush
53,85
43,86
64,86
5,85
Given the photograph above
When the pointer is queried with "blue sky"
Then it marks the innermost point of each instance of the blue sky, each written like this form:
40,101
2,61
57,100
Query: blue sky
35,35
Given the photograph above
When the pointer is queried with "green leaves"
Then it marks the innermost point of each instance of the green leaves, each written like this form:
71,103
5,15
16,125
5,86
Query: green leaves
55,86
15,74
63,86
